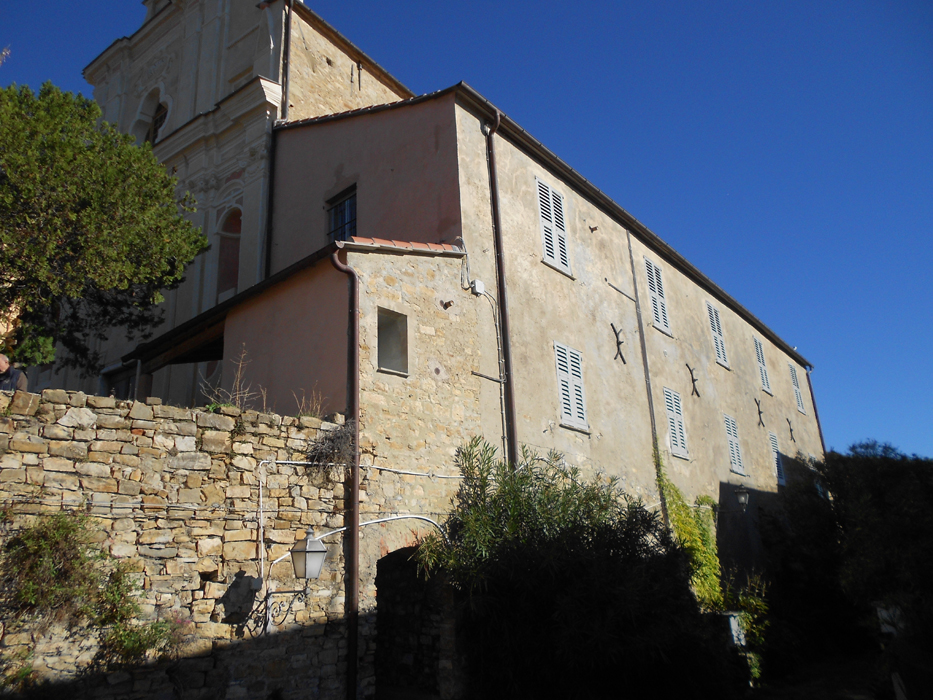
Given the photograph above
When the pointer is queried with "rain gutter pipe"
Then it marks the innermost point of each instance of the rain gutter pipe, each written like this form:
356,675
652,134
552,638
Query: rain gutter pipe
502,291
352,608
286,55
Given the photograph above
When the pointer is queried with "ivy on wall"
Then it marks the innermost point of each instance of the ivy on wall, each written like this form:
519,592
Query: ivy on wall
695,527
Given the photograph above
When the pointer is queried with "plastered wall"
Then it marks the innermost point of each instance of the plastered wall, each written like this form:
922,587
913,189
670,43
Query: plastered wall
591,309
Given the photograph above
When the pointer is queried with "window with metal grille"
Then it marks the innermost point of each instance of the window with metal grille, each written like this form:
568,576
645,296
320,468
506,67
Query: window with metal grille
762,366
716,328
776,456
735,452
570,386
656,292
341,215
797,393
675,422
553,228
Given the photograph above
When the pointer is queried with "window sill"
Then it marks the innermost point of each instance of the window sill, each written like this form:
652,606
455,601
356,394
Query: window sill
395,372
769,393
576,428
686,457
562,270
723,365
662,330
801,412
734,471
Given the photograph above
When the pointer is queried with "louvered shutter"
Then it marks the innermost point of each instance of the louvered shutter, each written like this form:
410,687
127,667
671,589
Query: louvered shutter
570,386
797,394
776,456
735,452
716,328
553,227
656,292
675,421
762,367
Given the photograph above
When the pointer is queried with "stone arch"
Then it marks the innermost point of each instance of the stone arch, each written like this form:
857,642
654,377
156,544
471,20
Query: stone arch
416,650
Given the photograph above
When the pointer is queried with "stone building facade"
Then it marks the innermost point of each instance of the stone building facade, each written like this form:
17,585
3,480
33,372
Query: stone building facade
204,81
500,293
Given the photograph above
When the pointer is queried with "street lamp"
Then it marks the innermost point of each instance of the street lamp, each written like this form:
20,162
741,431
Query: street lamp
741,495
308,557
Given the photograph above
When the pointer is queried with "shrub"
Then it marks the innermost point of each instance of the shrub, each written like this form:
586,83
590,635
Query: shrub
570,588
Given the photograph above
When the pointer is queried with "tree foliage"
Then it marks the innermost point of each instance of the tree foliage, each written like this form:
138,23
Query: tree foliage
855,531
91,227
570,588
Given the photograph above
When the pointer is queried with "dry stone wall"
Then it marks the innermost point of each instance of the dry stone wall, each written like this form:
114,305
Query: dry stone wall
174,493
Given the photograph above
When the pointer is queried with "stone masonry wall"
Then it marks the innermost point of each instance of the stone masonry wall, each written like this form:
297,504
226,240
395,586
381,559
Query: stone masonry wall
174,493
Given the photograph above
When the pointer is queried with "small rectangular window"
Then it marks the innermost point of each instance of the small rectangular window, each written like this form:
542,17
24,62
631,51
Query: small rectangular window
716,328
762,367
675,422
393,341
656,292
570,386
776,457
735,452
797,394
553,228
341,215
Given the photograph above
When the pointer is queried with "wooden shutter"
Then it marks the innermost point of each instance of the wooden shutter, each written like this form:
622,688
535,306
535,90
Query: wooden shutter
553,227
718,341
776,456
797,394
675,421
656,292
735,452
762,367
570,386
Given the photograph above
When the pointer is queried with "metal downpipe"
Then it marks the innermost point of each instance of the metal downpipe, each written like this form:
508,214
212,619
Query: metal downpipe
502,291
352,609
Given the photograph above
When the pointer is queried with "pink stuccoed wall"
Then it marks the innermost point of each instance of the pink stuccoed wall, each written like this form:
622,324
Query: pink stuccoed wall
403,162
296,337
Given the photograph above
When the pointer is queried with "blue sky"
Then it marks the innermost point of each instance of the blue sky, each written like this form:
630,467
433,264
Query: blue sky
785,148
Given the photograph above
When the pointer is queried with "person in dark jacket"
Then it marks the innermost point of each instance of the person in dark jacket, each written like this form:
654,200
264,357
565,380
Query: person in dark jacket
12,379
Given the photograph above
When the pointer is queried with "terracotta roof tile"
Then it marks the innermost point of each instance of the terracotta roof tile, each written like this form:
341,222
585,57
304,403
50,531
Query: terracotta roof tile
405,245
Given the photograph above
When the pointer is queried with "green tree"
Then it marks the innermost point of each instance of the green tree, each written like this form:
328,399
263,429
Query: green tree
570,588
91,228
855,531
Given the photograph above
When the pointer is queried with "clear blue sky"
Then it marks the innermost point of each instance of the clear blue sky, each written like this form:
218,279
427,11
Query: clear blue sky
784,147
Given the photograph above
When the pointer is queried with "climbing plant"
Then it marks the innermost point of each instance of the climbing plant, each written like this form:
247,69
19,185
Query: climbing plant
695,528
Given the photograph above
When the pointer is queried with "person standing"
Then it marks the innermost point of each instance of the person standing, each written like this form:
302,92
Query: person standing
12,379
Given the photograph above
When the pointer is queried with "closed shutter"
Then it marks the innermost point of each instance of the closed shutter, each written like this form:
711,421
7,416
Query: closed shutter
797,394
656,292
553,227
735,452
570,386
675,421
762,367
776,456
716,328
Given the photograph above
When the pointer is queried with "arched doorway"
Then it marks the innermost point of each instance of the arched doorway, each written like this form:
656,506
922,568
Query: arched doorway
416,655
